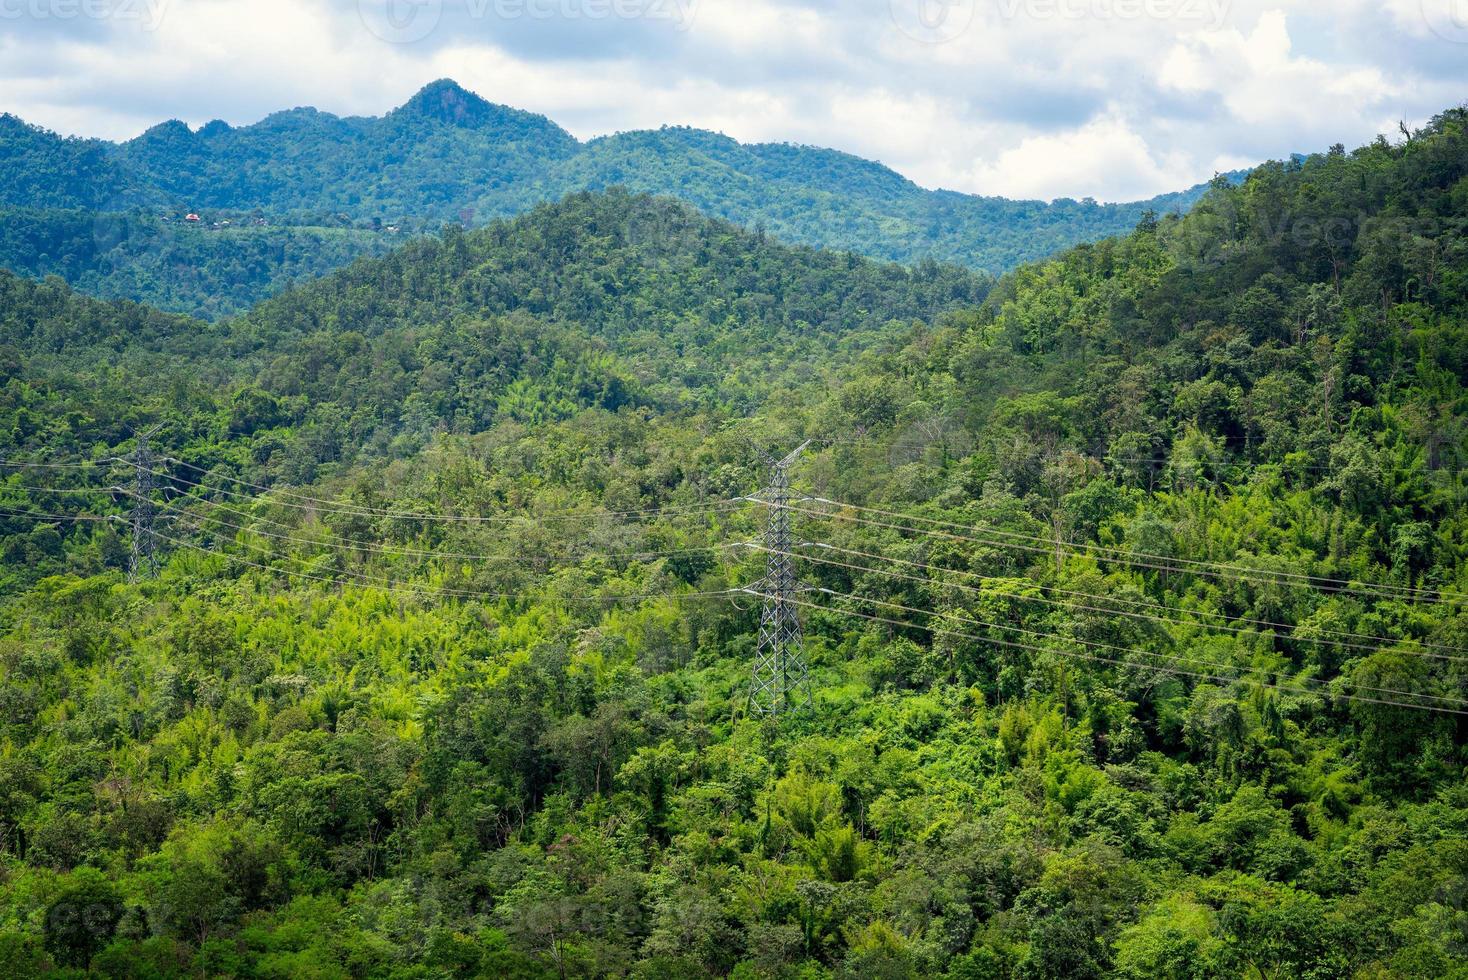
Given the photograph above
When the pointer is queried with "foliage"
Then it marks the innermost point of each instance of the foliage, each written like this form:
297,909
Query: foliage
1124,757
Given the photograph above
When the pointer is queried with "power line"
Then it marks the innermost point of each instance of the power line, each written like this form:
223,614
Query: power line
56,490
1170,564
367,548
358,578
789,599
1208,569
410,515
143,559
338,507
1097,609
1105,660
429,517
388,586
1235,456
1344,584
1147,604
524,559
34,515
1095,645
20,464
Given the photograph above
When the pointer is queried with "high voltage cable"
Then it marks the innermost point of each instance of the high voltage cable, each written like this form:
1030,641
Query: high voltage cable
633,555
16,463
1098,609
1312,579
410,552
34,515
887,450
339,507
336,506
1096,645
358,578
1145,604
1207,569
409,515
1105,660
388,586
1040,545
368,548
1176,658
727,593
257,518
57,490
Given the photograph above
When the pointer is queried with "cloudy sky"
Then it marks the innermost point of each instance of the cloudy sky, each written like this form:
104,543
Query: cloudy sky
1116,99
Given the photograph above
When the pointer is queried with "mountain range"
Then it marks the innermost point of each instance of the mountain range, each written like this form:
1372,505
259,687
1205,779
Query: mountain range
302,192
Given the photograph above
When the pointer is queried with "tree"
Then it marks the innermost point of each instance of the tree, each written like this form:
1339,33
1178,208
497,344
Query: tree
82,919
1176,940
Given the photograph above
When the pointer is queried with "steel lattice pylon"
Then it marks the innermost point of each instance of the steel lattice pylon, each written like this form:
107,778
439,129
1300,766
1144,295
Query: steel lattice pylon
781,682
143,560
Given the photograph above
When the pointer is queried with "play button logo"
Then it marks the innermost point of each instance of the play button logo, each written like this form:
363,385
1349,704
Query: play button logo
1447,18
933,21
400,21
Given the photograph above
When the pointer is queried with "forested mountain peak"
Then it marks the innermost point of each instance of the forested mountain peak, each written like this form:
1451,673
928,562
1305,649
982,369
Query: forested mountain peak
787,163
317,190
43,169
215,128
300,116
11,124
647,274
690,303
648,236
447,101
169,134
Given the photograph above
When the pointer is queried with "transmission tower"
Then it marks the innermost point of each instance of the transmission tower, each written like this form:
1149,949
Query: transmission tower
781,682
143,560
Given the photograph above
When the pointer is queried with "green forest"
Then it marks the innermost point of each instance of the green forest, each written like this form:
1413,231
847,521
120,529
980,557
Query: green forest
208,270
403,625
89,211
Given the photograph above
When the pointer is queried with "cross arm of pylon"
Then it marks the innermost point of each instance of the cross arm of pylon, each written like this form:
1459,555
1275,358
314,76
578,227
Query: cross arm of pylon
789,497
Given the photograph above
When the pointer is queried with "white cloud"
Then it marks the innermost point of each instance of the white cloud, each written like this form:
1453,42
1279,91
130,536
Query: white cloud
1111,98
1265,85
1105,158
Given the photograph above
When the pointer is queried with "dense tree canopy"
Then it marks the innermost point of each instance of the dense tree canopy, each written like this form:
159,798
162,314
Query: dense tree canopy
1136,619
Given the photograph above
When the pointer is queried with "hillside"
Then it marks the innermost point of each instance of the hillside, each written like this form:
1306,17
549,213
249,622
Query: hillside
446,155
456,333
835,200
1136,612
203,270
